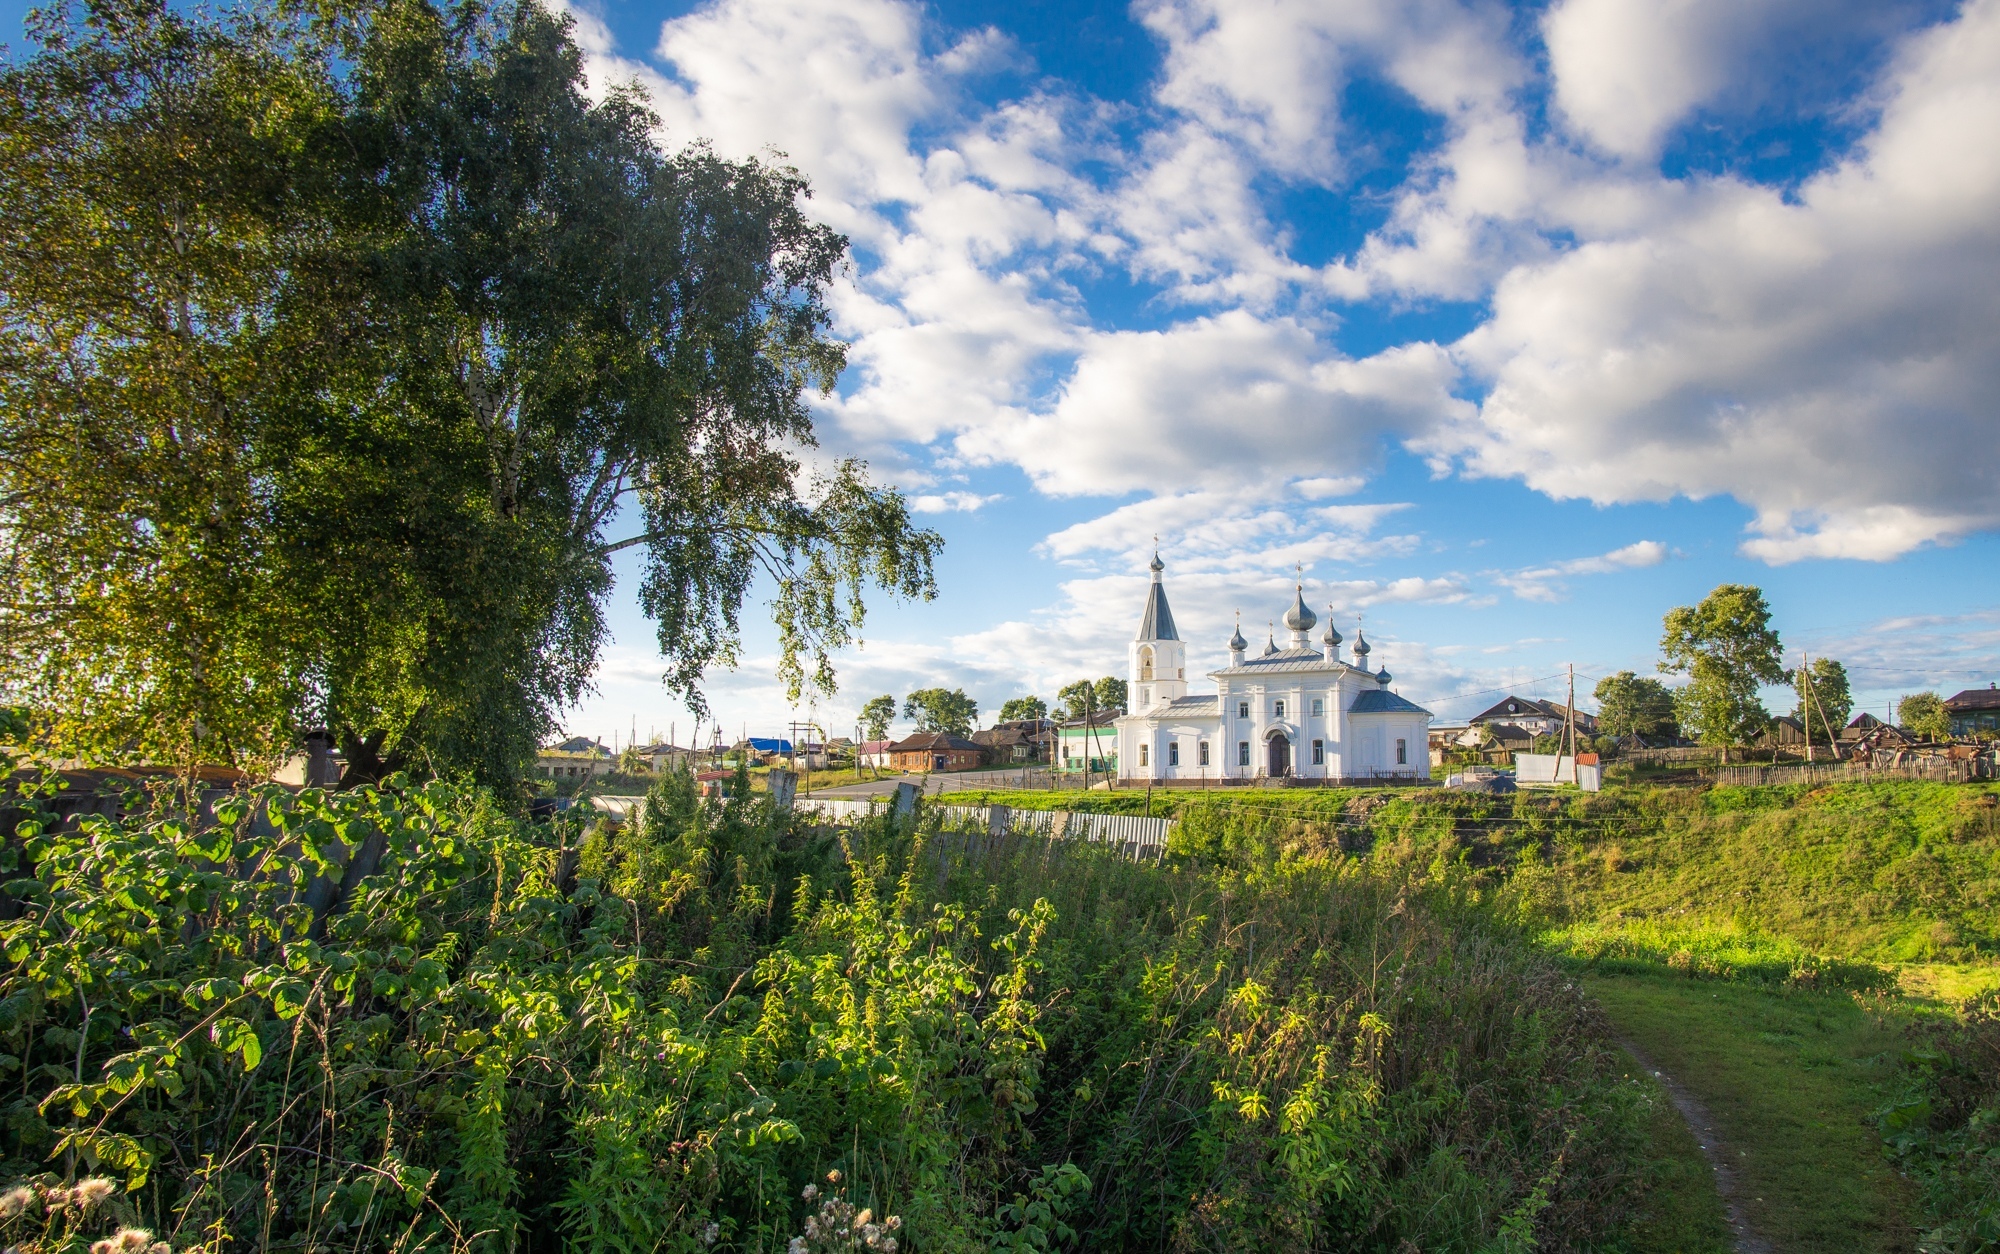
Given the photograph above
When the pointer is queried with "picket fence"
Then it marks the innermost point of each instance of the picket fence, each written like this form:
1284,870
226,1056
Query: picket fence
1141,836
1932,770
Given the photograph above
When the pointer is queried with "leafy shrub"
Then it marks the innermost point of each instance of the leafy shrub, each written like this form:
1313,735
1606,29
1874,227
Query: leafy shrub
1944,1129
402,1019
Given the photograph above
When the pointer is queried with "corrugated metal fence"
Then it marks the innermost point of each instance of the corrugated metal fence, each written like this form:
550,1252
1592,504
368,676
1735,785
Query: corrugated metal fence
1142,836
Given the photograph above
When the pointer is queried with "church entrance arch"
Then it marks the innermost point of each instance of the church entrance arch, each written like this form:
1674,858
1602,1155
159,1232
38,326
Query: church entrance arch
1280,750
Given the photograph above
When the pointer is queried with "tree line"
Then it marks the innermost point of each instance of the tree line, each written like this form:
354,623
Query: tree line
1728,650
341,348
954,713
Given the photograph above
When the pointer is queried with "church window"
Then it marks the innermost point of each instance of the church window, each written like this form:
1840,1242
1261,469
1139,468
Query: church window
1242,753
1145,698
1181,673
1203,752
1145,664
1319,753
1281,708
1402,752
1173,753
1143,748
1243,710
1319,707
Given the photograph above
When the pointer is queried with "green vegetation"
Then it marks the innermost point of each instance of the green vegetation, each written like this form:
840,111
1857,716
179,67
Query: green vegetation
334,339
941,710
1944,1127
1788,1078
495,1036
1825,700
1634,705
1727,648
1922,714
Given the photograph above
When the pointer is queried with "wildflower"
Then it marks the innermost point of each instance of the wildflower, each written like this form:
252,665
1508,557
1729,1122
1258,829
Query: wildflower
810,1192
797,1246
710,1233
92,1191
888,1245
133,1240
161,1247
893,1222
833,1177
16,1200
861,1220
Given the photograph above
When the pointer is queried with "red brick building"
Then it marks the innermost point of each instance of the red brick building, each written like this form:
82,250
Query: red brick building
935,751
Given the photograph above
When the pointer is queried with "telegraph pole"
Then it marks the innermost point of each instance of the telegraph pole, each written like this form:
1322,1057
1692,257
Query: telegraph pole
1569,727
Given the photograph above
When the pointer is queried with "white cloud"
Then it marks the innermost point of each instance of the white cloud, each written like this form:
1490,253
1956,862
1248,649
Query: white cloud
1543,583
1825,359
956,502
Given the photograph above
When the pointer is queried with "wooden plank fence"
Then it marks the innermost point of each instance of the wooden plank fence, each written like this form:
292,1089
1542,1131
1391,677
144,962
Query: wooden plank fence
1932,770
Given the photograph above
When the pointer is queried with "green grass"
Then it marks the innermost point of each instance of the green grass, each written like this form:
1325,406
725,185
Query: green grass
1679,1211
1789,1077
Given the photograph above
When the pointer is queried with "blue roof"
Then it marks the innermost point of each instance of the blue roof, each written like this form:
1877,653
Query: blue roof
765,744
1382,701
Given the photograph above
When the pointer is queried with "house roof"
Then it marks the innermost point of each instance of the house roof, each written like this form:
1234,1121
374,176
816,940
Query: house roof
931,742
1987,698
1382,701
1191,707
874,746
1509,731
583,744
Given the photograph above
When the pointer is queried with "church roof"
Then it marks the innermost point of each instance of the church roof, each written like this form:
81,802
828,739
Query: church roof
1286,661
1382,701
1300,617
1189,707
1158,624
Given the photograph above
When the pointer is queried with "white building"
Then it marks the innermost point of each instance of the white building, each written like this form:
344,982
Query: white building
1296,712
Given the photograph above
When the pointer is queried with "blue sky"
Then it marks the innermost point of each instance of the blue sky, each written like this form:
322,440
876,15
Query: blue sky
1515,326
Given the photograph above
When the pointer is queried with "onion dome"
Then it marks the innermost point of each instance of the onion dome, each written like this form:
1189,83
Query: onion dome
1157,564
1236,641
1300,618
1270,644
1332,637
1383,677
1361,650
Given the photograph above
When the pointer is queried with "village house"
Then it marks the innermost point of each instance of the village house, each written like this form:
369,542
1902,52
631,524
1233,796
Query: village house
1976,711
1536,717
935,751
579,757
1088,745
1017,742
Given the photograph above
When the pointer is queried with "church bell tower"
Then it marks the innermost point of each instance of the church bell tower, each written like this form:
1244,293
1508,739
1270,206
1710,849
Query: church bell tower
1157,658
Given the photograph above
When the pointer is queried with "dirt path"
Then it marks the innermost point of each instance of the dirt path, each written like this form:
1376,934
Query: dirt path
1702,1125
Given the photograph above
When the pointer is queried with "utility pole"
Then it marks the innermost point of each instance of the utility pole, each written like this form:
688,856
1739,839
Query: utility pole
1569,727
1805,682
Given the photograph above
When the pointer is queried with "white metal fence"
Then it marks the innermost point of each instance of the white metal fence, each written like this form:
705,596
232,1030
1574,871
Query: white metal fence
1147,837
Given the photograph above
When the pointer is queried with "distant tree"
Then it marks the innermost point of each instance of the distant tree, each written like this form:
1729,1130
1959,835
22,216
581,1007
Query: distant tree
1922,714
938,710
1111,695
1831,699
1727,648
877,715
1630,704
632,762
1075,699
1023,708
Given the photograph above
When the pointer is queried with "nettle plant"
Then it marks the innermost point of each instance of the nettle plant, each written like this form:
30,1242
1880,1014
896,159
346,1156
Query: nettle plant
331,1019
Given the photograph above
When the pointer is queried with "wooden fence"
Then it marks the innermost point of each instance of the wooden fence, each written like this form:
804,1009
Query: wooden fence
1933,770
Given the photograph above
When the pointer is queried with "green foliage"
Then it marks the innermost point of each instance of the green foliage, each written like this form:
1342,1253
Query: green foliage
877,715
1110,694
1727,649
1944,1126
1629,704
1027,708
335,339
941,710
1825,700
1922,714
396,1015
1097,699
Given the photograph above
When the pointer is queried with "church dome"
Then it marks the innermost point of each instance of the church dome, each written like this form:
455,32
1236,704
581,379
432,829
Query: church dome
1236,641
1383,677
1332,637
1270,644
1157,564
1300,617
1360,649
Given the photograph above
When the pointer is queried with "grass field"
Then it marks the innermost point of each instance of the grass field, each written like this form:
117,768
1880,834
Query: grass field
1790,1078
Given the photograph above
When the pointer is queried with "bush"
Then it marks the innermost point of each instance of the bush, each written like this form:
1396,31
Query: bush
716,1026
1944,1130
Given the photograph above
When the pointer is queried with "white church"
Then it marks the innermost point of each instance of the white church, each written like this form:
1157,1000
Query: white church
1298,712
